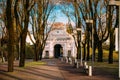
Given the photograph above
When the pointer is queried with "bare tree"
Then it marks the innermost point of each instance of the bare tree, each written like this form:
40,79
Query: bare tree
11,28
112,23
93,9
100,33
40,26
76,17
3,32
23,8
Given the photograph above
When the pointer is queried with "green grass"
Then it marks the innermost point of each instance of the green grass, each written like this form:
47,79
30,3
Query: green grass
106,68
106,54
35,63
105,64
109,68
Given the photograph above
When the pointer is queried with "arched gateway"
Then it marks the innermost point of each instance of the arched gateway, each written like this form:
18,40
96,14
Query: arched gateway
58,51
59,43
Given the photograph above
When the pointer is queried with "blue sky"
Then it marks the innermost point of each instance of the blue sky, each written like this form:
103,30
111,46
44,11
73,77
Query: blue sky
59,15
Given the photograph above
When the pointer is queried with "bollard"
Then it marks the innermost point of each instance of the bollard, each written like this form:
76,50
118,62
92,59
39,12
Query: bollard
62,59
90,71
85,63
70,60
75,60
3,59
86,66
77,65
66,60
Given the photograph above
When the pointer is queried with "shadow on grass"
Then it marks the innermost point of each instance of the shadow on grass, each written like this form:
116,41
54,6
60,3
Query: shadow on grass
35,72
4,74
8,76
106,72
98,72
45,69
27,73
71,69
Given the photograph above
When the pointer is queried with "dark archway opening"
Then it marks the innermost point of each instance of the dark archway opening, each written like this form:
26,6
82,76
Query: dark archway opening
58,51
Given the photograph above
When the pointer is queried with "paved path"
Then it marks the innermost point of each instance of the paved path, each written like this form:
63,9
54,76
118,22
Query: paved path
53,70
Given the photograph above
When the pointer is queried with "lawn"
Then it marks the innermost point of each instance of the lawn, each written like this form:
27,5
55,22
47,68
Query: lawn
104,67
106,54
33,63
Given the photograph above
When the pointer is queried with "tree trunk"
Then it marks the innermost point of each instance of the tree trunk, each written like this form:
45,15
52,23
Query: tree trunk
1,51
36,56
23,37
110,57
95,44
100,52
110,29
88,46
11,25
78,50
94,50
84,53
40,54
11,50
23,43
18,51
22,51
79,46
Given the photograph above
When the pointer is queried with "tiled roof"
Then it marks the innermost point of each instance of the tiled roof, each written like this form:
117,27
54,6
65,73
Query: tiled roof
58,25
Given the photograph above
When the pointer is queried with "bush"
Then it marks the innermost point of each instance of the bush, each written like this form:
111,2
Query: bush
29,52
105,46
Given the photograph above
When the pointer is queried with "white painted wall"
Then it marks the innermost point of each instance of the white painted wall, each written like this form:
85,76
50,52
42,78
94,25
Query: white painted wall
59,36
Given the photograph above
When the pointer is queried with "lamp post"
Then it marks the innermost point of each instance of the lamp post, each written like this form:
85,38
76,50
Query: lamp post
91,22
117,3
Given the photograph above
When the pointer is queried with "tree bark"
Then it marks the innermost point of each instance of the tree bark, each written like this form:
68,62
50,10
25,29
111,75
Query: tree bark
111,32
78,52
100,52
88,44
36,56
84,53
95,45
110,57
11,25
18,50
40,53
23,38
22,51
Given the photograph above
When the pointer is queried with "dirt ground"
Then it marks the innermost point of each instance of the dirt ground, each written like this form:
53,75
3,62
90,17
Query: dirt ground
53,70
